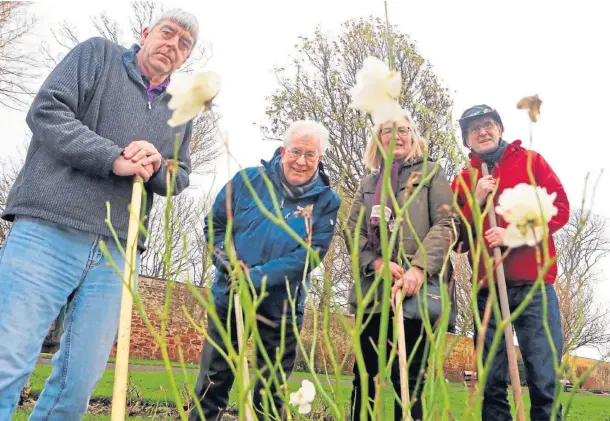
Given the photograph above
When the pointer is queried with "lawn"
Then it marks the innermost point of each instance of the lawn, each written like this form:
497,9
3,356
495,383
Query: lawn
154,387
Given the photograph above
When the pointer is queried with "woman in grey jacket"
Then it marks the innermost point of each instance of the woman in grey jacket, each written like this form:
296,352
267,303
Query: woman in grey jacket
433,223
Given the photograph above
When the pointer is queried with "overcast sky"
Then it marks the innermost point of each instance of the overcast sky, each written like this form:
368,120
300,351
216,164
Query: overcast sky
484,51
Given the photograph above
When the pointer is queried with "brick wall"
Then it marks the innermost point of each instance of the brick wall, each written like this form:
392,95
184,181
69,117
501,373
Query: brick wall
599,378
180,331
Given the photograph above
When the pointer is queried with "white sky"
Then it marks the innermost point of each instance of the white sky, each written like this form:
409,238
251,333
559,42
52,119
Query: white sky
485,51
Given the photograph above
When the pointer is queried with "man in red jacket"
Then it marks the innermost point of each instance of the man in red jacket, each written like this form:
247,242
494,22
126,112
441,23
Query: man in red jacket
507,162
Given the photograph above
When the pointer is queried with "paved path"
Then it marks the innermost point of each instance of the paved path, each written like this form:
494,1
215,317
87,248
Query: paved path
132,367
161,368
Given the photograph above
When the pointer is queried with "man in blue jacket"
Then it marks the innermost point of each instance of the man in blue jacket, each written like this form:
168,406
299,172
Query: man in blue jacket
98,120
269,252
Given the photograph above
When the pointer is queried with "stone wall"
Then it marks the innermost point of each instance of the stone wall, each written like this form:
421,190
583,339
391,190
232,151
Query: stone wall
181,331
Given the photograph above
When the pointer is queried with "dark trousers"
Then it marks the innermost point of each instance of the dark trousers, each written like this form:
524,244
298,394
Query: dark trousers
535,350
413,330
216,378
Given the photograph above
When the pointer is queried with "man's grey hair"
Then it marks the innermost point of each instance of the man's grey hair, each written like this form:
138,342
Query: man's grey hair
307,128
184,19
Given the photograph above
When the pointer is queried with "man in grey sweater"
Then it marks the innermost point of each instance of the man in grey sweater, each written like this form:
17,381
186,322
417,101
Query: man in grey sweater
99,119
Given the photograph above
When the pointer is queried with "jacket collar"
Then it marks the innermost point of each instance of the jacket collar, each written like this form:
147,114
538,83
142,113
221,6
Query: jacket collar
130,62
515,146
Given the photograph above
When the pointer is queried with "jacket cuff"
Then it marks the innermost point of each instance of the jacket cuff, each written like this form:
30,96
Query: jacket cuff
366,262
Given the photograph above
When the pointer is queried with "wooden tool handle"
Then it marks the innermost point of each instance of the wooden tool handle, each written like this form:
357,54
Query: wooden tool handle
505,308
245,374
402,358
119,393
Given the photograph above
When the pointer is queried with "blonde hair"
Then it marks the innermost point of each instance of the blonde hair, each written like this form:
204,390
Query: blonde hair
419,146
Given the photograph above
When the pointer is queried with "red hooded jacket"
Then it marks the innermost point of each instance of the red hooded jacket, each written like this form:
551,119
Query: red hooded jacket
520,265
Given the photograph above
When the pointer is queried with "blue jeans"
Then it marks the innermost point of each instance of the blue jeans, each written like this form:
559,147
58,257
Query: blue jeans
535,350
41,265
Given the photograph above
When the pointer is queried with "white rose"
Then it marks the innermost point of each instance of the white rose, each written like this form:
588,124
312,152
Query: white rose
303,397
524,207
190,94
377,90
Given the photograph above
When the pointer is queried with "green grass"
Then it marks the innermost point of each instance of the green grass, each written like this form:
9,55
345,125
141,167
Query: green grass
155,388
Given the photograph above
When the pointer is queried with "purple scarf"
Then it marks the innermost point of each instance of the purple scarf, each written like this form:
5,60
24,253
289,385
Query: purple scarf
374,232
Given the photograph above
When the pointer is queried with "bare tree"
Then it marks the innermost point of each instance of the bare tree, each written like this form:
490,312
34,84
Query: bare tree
17,66
581,246
463,287
178,250
330,284
202,270
9,170
8,173
142,13
66,38
108,28
204,143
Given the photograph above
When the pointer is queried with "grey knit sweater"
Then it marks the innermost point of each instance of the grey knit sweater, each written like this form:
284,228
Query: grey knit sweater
92,105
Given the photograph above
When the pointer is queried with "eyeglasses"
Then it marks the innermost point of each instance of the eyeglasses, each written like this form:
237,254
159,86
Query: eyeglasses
297,153
401,131
476,127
